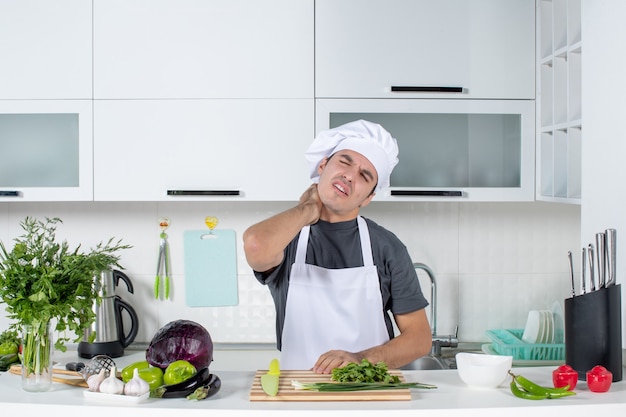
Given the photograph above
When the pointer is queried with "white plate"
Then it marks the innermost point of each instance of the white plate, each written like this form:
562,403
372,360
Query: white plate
550,321
559,323
532,331
542,327
545,327
114,398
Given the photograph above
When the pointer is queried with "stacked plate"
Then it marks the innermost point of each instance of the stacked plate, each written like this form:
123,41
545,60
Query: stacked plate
539,327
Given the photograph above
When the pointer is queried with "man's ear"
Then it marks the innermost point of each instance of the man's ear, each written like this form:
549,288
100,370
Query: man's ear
321,166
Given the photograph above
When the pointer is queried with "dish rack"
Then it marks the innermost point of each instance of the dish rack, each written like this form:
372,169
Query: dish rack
509,342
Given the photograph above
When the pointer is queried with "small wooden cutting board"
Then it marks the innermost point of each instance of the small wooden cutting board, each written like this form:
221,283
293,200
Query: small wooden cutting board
79,381
286,392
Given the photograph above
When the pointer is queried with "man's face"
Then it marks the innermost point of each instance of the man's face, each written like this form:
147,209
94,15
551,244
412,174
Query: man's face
346,183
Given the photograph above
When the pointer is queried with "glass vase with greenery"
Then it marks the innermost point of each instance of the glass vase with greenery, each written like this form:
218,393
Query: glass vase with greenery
43,283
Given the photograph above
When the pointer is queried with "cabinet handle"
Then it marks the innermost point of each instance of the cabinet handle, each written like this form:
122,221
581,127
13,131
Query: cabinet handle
425,89
176,193
427,193
9,193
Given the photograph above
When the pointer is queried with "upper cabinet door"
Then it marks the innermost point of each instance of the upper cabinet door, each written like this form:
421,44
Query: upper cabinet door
45,49
46,150
203,49
485,48
206,150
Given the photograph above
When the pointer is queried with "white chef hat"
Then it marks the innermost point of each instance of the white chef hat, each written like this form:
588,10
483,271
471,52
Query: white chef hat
369,139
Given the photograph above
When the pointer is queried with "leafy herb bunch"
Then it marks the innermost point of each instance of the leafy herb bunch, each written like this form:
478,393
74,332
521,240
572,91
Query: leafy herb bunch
42,280
364,372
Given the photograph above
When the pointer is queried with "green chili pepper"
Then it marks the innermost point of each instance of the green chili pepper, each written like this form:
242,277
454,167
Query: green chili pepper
515,389
524,388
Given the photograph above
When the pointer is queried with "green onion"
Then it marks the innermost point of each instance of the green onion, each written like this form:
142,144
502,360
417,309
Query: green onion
358,386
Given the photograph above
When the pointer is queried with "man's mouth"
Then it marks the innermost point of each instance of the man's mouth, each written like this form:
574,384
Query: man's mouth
341,187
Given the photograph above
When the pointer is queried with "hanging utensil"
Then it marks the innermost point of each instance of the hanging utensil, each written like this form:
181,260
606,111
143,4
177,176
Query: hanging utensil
592,271
571,272
611,252
163,263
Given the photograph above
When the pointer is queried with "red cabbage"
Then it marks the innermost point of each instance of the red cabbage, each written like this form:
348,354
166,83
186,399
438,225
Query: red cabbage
180,340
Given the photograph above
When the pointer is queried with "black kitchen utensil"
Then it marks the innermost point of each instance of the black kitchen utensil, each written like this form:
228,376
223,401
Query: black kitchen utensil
75,366
593,331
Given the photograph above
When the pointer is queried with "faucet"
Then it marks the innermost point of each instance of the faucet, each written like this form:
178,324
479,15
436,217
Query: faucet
439,341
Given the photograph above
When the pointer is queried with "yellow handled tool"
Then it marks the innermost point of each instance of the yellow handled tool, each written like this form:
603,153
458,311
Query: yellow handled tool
163,263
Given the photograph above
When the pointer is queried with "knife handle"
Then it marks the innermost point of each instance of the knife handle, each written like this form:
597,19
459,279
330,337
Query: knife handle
583,271
601,258
591,268
611,252
571,272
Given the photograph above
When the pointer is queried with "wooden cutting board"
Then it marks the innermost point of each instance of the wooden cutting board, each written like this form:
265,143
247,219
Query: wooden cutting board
286,392
77,381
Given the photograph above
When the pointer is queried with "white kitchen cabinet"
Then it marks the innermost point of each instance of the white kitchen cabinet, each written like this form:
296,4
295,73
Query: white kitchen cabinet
449,150
46,150
559,104
367,49
46,49
203,49
227,149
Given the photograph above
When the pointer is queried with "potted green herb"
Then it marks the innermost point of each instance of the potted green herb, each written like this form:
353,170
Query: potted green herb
46,285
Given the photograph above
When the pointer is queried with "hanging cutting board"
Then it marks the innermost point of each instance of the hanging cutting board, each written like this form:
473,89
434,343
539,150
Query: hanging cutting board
287,392
210,268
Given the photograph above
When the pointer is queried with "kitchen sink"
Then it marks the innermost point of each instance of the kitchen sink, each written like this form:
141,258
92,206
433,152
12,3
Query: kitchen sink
428,363
445,360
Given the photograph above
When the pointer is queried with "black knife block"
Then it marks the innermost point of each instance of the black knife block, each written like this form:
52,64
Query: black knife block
593,331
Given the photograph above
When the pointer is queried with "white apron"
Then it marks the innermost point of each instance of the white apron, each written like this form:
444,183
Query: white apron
330,309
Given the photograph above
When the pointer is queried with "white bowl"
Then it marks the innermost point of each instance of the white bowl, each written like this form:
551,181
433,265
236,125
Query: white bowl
481,370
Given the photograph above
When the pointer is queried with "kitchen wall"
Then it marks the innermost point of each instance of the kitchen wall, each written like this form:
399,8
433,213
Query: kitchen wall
493,261
603,204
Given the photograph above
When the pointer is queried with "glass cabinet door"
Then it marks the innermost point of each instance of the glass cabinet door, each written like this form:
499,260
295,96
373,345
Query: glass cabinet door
476,150
45,150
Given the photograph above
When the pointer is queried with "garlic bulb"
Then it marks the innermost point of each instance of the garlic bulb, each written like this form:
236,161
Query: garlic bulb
136,386
112,385
94,381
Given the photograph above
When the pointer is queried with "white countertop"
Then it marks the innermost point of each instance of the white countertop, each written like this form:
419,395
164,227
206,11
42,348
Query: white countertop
451,398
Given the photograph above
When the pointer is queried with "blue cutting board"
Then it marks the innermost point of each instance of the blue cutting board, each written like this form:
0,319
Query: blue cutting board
210,268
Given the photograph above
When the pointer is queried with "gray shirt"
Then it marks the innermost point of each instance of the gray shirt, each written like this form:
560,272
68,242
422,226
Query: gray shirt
338,245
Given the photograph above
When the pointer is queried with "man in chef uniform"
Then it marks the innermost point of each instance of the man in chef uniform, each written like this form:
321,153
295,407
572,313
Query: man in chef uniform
335,275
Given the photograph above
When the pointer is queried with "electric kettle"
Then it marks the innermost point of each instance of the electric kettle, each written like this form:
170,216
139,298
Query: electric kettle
108,327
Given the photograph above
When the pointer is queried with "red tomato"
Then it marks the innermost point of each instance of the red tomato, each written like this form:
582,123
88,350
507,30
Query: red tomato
565,375
599,379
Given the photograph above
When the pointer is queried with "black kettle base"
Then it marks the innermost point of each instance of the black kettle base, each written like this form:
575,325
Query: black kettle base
111,349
